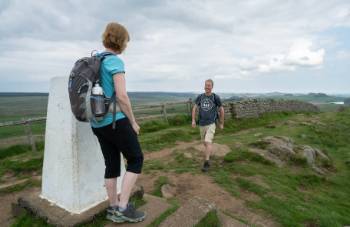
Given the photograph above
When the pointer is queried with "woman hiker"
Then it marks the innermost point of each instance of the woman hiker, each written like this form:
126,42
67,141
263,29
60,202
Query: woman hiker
124,137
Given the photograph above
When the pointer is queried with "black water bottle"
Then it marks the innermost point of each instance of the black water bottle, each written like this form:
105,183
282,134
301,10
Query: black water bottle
98,101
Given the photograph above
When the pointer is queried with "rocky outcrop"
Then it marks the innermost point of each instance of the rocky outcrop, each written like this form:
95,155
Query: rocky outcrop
252,108
282,150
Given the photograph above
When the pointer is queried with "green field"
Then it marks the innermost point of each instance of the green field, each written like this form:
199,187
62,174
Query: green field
292,195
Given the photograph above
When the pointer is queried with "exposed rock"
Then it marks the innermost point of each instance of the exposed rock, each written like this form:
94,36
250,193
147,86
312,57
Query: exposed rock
321,154
280,145
281,149
189,214
268,156
168,191
309,153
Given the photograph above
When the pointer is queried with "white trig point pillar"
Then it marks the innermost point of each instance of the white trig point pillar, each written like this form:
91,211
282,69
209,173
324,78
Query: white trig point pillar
73,170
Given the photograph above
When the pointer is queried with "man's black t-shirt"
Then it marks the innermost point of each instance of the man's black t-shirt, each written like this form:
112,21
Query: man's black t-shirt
208,108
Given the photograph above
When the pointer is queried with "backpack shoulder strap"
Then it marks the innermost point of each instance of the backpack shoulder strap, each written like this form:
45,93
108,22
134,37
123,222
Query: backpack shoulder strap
201,98
215,99
105,54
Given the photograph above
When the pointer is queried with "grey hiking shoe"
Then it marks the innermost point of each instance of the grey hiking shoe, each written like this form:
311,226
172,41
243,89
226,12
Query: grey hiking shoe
130,214
206,166
114,215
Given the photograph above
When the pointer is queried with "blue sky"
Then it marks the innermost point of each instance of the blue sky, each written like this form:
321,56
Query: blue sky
244,46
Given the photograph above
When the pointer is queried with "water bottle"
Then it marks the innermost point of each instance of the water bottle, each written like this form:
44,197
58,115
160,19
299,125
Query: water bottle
98,101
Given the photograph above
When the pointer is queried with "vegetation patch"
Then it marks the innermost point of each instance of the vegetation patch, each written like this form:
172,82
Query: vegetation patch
162,180
250,186
210,220
243,154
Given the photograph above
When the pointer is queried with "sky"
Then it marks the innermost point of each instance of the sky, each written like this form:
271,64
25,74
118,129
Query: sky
243,45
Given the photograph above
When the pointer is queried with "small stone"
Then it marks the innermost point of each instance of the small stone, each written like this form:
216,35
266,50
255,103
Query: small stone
188,155
168,191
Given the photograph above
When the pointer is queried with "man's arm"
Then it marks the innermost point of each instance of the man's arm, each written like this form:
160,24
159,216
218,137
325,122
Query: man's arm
194,115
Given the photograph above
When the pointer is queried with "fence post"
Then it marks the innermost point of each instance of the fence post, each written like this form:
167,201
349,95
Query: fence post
164,112
28,130
189,106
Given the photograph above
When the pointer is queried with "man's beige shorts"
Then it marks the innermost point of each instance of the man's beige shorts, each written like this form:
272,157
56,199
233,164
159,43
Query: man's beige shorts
207,132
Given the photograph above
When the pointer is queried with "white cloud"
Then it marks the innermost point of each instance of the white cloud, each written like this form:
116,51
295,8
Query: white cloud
299,54
170,40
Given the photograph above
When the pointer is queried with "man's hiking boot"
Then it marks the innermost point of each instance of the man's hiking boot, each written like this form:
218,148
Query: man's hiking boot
114,215
206,166
130,214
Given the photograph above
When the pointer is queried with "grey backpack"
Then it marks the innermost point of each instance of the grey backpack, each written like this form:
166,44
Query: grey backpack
85,73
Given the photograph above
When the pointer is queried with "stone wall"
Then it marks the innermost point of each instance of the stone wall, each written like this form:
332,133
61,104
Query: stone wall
251,108
347,102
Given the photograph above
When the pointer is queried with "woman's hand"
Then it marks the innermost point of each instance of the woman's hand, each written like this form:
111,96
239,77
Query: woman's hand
136,127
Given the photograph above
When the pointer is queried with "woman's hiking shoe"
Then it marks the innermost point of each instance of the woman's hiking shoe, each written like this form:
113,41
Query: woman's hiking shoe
130,214
114,215
206,166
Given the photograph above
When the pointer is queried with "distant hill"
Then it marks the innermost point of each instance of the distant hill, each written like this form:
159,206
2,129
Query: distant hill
316,98
21,94
136,97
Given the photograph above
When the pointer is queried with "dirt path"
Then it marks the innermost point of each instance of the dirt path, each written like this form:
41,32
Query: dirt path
188,185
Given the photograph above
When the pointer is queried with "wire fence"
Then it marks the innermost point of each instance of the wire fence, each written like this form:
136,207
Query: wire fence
142,113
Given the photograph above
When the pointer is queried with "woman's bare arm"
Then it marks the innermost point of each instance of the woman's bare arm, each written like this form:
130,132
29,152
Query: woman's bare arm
123,99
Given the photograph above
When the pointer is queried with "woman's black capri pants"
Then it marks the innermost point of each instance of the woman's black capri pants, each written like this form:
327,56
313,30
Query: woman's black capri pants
121,139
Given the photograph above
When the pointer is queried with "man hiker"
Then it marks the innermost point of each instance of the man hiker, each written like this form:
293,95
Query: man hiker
210,110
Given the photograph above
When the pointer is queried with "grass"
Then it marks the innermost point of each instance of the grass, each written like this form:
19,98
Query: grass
20,161
242,154
26,219
162,180
250,186
23,166
153,165
38,128
182,164
166,138
20,187
210,220
18,149
296,195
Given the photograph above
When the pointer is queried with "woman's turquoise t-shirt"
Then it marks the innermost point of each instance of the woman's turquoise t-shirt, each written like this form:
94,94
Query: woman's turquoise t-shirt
111,65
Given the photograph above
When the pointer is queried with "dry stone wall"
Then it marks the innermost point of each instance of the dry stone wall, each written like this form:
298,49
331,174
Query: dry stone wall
251,108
